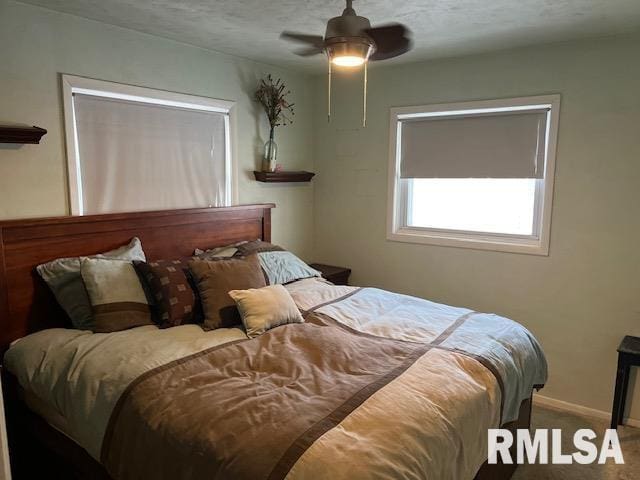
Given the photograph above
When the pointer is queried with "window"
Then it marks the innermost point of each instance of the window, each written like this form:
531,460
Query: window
134,149
475,174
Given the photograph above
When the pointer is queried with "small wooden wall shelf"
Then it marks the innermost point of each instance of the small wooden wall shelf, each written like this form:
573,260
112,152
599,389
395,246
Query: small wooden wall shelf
280,177
20,134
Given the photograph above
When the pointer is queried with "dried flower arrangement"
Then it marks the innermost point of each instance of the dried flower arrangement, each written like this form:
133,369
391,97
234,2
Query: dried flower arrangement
272,96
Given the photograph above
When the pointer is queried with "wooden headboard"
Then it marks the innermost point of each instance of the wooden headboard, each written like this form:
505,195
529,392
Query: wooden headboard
26,303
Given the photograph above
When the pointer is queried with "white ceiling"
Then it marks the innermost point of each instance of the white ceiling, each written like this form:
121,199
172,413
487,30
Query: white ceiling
250,28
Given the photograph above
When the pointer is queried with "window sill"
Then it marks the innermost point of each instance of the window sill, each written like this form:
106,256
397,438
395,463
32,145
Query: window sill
529,246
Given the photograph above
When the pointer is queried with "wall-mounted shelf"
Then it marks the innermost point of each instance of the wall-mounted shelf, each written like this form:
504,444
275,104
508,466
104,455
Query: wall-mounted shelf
280,177
20,134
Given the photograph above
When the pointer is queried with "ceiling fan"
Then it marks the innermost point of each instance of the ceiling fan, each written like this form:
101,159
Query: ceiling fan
350,41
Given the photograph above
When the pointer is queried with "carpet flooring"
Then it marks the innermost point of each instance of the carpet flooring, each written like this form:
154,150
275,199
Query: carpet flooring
550,418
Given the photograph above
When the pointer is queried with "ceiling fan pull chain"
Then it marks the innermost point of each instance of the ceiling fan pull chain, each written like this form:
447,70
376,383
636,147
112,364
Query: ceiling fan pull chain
350,41
329,95
364,103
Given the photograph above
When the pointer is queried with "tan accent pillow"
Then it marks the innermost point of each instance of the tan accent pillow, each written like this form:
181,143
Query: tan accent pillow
265,308
117,298
215,279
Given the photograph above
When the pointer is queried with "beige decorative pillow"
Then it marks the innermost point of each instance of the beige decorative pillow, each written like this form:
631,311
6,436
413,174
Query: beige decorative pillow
117,298
64,279
264,308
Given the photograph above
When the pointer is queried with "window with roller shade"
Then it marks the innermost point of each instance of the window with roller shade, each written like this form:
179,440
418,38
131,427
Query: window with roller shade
476,174
136,149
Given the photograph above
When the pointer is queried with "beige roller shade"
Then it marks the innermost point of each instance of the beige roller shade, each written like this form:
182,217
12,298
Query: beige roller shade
489,145
137,156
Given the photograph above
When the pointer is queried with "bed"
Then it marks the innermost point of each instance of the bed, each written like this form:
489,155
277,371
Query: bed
372,385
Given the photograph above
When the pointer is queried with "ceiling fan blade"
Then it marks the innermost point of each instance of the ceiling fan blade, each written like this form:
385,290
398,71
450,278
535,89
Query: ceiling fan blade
391,41
316,41
307,52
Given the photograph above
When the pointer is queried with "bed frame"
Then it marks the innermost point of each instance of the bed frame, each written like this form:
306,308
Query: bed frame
26,305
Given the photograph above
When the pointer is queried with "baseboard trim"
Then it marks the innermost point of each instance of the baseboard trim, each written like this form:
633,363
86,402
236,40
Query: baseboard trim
580,409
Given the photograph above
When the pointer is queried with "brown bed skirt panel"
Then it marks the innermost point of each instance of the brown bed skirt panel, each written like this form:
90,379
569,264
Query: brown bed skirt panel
38,450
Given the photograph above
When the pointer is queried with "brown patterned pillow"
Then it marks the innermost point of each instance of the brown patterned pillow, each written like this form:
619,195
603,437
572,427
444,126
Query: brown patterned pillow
168,282
257,246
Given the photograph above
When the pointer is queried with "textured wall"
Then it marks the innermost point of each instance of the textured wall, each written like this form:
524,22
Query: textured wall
249,28
582,298
38,45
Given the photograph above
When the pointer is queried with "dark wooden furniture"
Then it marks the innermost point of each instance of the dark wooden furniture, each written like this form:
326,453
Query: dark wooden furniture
504,471
337,275
628,356
280,177
21,134
37,449
27,305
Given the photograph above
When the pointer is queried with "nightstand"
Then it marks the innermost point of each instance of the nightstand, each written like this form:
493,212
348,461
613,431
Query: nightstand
336,275
628,356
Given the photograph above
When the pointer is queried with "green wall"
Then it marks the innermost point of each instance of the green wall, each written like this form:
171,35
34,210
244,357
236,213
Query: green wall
37,45
581,299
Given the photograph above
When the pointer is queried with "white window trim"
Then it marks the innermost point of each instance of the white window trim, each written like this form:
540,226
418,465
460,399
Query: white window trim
73,84
537,244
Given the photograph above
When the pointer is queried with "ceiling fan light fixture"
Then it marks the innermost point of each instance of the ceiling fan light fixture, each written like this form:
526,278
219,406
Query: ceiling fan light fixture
349,53
350,42
348,61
